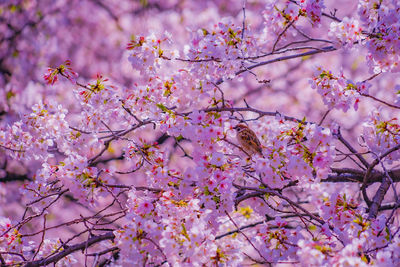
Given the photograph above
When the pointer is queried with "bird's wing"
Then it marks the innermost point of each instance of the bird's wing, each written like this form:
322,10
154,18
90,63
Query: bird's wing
251,137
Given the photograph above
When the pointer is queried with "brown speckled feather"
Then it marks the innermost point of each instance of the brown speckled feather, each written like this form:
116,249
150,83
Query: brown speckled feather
248,139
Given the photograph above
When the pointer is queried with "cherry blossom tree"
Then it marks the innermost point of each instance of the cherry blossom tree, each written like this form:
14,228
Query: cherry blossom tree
118,145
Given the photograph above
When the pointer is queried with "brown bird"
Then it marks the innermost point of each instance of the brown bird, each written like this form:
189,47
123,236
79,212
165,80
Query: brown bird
248,139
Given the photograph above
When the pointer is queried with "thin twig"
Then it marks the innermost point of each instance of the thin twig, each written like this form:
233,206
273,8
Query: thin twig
247,238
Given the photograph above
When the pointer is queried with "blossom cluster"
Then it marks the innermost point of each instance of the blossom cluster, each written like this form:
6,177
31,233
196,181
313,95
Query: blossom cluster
11,241
346,33
35,133
380,135
150,167
381,19
313,9
178,226
298,153
337,91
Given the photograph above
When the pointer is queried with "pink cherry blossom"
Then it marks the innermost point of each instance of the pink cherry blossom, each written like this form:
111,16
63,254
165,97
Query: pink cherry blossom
136,161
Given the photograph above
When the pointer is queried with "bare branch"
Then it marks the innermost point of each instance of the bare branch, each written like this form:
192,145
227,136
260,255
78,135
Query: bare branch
71,249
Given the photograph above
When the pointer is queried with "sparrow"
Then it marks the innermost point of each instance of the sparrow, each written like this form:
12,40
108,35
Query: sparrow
248,139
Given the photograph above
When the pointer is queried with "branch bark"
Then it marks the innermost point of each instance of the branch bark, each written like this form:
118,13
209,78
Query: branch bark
378,198
81,246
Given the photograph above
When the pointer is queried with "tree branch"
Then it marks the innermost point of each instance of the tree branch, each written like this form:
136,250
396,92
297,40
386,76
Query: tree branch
81,246
378,198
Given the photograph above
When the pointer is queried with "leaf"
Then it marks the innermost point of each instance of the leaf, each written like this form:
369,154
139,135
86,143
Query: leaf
162,107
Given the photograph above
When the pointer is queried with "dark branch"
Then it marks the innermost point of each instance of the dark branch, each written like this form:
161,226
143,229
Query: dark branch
69,250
